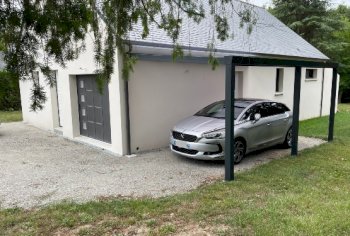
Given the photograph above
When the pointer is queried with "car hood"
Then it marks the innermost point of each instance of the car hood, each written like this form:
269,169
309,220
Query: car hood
199,125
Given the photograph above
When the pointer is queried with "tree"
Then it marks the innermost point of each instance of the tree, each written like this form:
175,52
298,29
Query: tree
327,29
342,55
309,18
37,33
9,92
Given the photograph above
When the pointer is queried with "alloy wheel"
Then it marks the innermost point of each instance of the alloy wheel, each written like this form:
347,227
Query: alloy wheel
239,151
289,138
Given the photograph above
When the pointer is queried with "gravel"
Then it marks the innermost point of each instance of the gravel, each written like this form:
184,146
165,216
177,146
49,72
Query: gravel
39,168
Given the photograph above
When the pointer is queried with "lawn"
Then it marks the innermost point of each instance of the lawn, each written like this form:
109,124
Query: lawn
10,116
308,195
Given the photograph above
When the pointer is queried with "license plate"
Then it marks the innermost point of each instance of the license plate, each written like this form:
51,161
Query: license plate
181,144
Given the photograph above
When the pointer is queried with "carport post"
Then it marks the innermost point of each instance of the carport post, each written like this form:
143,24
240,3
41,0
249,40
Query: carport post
229,118
296,109
332,111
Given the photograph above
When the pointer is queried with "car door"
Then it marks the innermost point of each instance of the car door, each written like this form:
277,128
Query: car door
278,122
258,132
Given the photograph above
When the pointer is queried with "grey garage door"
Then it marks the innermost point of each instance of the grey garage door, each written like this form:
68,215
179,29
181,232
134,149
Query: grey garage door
93,109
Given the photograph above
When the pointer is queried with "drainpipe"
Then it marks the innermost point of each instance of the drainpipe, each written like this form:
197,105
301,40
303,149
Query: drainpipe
127,121
322,90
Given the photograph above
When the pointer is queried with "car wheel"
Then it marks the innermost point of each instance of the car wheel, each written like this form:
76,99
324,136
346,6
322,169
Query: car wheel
288,140
240,149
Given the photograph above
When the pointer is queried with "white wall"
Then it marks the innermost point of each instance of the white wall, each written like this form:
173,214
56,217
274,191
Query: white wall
162,93
259,82
311,95
68,100
327,92
45,118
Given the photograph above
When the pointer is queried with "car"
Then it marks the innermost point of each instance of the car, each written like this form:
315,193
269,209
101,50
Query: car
258,124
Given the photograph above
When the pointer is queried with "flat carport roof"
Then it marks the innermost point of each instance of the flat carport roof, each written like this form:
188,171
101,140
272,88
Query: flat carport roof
257,60
232,61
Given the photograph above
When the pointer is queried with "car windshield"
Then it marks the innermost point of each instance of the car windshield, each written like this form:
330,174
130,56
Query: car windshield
217,110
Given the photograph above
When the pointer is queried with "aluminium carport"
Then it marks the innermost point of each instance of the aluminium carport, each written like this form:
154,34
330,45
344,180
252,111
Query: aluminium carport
232,61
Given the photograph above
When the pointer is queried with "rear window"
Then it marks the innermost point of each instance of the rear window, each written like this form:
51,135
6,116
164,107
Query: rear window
217,110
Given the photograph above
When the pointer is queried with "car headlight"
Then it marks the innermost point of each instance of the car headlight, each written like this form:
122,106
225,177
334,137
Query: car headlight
220,134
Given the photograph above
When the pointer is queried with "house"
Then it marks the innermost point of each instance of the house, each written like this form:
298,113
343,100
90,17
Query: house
136,116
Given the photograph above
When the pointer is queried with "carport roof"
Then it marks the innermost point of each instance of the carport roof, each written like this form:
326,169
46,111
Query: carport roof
269,38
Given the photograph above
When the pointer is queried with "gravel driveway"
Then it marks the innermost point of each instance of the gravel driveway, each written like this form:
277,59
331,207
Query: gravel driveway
38,168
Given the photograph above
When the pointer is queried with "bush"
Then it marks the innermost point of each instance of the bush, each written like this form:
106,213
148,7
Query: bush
9,92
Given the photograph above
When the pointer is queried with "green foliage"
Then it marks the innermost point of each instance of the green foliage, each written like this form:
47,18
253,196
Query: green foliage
10,116
308,18
36,34
327,29
9,92
2,45
38,97
342,40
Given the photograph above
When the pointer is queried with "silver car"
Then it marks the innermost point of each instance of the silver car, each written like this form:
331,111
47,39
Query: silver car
258,124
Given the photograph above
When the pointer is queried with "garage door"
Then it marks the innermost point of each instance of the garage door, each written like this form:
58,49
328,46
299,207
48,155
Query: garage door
93,109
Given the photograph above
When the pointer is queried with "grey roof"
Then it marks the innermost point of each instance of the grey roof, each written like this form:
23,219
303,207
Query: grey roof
269,36
2,62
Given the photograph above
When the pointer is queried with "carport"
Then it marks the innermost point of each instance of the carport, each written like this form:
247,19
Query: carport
232,61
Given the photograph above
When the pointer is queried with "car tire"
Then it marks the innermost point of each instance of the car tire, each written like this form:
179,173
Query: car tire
288,139
240,149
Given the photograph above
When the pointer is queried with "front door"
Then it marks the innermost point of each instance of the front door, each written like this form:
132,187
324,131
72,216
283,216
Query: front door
93,109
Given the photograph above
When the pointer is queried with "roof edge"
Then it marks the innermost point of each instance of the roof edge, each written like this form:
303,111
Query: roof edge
223,51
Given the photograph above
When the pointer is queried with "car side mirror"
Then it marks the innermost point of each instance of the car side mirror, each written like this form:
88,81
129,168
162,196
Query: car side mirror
257,117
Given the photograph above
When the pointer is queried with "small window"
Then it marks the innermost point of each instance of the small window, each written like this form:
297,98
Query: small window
311,74
35,75
279,80
82,98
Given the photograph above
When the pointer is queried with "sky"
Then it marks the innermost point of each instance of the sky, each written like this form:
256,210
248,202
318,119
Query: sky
267,2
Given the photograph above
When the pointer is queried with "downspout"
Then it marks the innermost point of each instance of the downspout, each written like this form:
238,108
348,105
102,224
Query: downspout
127,121
322,90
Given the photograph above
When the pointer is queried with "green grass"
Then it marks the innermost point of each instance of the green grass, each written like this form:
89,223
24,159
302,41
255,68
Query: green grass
10,116
308,195
318,127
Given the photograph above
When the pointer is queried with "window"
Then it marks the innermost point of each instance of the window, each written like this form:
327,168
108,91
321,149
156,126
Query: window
279,80
277,108
217,110
311,74
35,76
262,109
82,98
